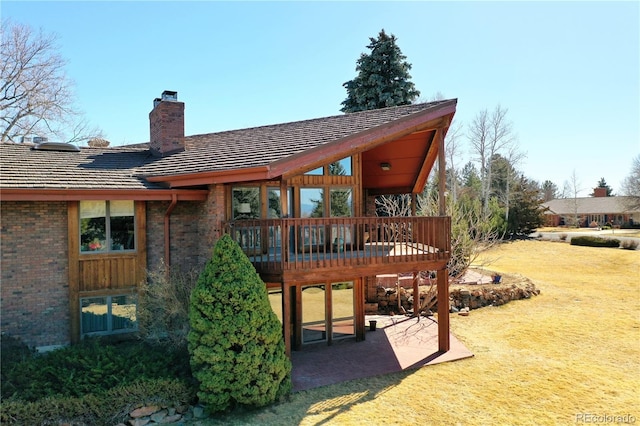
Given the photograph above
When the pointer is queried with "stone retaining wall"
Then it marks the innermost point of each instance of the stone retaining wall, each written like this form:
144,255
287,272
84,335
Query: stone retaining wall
399,299
153,415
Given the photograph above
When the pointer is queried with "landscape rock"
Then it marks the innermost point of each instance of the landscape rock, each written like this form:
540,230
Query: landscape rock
159,416
144,411
199,412
171,419
474,296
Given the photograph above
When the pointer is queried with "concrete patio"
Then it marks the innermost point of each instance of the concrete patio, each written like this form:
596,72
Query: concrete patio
399,343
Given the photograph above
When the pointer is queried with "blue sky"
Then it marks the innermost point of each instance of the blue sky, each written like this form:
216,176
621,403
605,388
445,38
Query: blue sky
568,72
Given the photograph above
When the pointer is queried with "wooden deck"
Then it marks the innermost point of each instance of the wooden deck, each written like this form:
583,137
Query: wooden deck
313,248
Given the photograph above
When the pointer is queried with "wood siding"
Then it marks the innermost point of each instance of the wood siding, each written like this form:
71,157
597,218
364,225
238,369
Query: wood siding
105,273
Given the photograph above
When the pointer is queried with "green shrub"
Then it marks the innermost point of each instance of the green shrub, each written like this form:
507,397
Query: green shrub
629,244
91,367
12,351
235,340
108,408
592,241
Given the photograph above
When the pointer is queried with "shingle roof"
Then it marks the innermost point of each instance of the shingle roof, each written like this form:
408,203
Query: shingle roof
126,167
588,205
260,146
91,168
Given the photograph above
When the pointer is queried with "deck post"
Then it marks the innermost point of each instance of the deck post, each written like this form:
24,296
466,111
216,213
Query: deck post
416,295
359,309
443,310
442,174
286,317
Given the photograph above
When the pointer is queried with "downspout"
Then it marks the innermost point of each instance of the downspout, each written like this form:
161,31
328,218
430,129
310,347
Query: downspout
167,229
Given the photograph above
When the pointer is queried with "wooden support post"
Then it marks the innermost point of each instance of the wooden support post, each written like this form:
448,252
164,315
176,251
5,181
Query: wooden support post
442,174
443,310
286,317
284,199
358,294
414,203
443,274
328,311
297,320
416,295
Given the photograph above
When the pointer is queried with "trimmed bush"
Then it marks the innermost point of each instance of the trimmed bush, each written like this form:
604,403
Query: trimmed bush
629,244
108,408
235,340
90,367
591,241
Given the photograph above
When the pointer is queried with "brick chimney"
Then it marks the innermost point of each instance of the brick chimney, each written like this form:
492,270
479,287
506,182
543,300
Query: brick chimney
166,121
599,192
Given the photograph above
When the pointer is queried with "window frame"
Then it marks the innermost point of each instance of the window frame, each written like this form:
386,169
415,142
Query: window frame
108,230
109,303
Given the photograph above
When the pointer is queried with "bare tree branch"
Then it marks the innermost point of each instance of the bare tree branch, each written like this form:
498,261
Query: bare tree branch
452,146
36,96
489,134
631,185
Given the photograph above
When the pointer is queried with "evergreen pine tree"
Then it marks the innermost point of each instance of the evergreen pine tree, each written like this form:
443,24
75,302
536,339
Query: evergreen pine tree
603,184
383,78
235,341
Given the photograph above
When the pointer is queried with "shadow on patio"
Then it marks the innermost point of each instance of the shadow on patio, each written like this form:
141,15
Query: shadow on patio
398,344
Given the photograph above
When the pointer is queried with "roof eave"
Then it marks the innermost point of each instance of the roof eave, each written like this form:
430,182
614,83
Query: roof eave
215,177
423,120
45,194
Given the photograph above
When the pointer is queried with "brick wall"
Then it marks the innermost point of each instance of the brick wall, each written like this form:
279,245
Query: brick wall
213,213
370,205
166,125
194,227
184,239
34,303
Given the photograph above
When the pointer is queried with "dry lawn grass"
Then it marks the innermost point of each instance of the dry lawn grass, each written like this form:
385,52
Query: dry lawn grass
574,349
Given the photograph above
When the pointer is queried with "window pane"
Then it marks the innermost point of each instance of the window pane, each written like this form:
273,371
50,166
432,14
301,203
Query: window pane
313,314
343,309
122,225
275,300
318,171
123,312
93,226
341,167
341,202
275,208
312,202
89,209
94,315
246,203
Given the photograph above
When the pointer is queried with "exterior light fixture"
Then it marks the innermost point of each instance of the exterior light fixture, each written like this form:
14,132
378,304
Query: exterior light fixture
385,166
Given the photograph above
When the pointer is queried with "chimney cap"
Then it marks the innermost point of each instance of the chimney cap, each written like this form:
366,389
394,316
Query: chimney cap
169,95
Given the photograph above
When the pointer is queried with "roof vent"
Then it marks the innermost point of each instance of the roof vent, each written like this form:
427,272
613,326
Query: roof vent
56,146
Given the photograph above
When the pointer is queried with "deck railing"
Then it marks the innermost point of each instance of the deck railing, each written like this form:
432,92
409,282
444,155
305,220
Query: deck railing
277,245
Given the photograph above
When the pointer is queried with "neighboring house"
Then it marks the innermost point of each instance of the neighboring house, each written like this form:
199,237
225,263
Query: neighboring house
81,227
593,211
